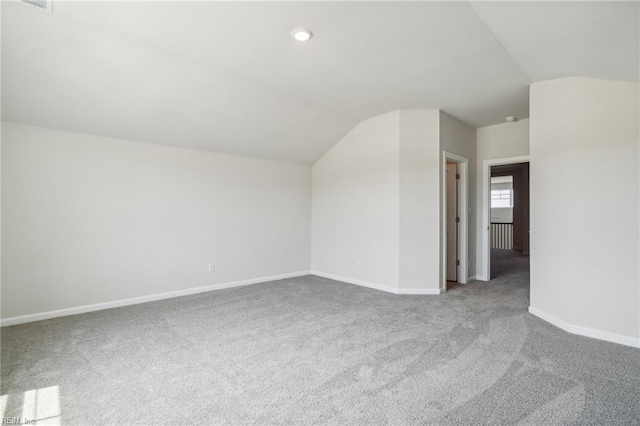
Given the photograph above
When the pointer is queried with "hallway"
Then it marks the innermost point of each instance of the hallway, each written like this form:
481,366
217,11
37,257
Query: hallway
509,265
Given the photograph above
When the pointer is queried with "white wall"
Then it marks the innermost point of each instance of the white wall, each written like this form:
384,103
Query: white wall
459,138
419,203
356,195
503,140
89,219
492,143
376,201
585,207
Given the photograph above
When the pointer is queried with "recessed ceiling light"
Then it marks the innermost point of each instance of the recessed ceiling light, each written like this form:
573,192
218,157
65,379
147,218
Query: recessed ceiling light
511,119
301,34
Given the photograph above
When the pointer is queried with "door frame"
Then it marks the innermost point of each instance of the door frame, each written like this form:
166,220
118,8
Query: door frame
463,225
485,263
452,198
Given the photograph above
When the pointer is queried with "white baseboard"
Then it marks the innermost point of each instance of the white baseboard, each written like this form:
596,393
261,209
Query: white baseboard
380,287
142,299
472,279
585,331
388,289
423,291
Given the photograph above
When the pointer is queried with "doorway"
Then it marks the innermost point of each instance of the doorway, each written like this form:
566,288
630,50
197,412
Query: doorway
454,221
505,217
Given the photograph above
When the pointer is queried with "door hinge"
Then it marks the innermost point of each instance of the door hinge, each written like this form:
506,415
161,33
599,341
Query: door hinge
457,219
457,175
457,263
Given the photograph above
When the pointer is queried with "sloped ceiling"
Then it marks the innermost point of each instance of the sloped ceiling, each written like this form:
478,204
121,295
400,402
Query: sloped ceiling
228,77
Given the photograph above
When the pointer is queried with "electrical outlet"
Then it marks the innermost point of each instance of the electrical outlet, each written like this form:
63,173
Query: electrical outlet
212,267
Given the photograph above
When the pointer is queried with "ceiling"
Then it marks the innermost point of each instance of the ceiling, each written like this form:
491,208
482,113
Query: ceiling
228,76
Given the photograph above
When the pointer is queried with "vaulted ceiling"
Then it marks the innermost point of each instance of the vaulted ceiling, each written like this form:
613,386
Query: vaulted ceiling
228,76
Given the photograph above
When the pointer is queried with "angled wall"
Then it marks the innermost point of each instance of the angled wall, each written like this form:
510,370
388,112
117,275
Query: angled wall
355,213
377,201
585,207
90,220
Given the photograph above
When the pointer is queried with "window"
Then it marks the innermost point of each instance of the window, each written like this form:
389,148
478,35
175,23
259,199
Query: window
501,198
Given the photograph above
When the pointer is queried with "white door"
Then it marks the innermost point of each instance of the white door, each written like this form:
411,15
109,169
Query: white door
452,222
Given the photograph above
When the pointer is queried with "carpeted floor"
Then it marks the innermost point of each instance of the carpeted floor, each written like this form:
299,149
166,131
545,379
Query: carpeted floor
312,350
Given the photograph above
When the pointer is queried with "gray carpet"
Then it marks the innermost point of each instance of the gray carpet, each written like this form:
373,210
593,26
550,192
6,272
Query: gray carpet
312,350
